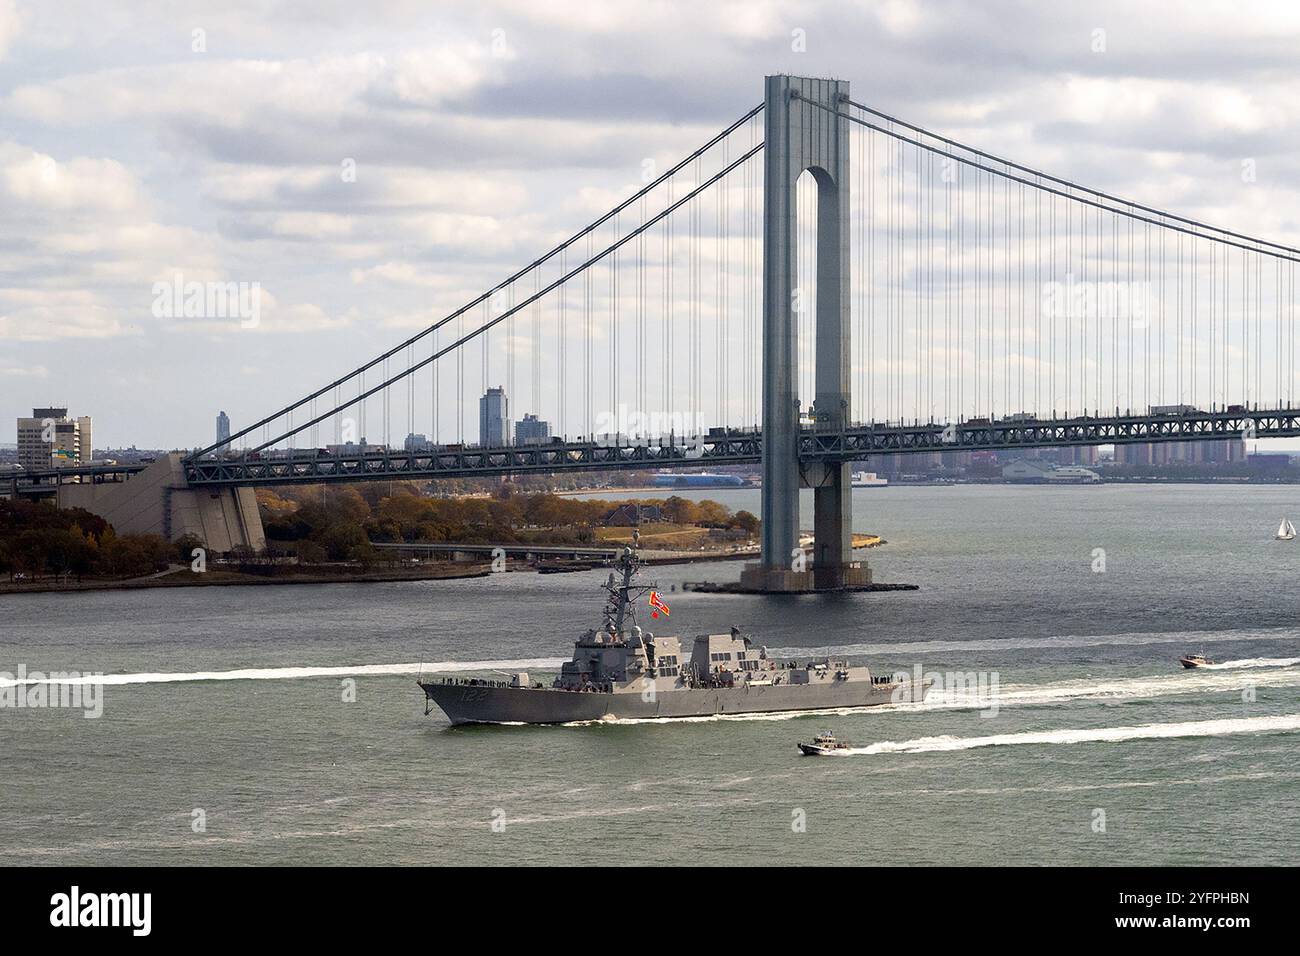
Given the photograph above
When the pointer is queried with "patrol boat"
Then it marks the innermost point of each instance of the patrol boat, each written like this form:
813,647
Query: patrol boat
825,745
621,671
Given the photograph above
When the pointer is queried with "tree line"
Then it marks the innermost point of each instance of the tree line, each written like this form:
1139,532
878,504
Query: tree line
329,523
37,539
341,523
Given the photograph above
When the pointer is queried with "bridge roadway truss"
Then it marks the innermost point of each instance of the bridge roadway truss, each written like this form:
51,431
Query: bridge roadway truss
742,446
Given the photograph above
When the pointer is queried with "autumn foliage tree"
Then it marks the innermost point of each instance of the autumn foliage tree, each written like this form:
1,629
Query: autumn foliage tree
37,539
335,522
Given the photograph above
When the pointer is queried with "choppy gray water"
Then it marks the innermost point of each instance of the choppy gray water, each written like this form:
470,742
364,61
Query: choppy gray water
1096,723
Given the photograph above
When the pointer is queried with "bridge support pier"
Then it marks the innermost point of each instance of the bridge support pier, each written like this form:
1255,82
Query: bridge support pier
802,136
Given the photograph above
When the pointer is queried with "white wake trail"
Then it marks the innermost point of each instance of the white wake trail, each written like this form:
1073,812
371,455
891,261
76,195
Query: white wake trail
1062,642
287,673
1181,682
1011,695
1200,728
1178,683
1247,662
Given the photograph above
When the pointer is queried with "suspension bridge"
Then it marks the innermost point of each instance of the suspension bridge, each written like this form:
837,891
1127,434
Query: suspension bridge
817,283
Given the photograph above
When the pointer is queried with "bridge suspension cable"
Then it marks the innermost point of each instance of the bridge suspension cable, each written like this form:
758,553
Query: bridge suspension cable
1127,209
582,269
558,251
1057,298
1040,175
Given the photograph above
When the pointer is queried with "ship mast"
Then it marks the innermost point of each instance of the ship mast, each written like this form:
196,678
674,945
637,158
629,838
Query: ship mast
621,604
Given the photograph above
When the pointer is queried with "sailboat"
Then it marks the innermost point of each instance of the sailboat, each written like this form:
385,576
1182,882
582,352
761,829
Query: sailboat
1285,531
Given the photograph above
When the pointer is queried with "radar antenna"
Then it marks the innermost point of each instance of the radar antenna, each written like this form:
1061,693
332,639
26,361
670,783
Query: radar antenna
623,593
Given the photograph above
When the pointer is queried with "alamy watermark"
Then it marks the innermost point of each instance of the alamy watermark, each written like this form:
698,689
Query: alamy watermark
70,690
133,911
636,425
974,688
1075,299
179,299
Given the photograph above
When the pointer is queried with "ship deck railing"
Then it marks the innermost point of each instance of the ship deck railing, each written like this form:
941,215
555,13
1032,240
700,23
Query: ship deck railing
509,685
472,682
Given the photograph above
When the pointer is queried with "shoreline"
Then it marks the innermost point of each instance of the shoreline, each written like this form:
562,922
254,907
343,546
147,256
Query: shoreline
183,579
180,577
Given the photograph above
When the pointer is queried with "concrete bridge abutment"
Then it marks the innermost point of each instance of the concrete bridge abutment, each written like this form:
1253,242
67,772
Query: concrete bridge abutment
158,500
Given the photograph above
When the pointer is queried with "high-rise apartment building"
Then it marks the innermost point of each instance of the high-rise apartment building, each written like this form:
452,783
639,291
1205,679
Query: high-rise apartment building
530,430
50,439
494,418
1216,451
223,428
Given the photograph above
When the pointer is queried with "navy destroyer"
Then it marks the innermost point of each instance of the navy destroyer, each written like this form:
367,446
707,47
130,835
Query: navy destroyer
621,671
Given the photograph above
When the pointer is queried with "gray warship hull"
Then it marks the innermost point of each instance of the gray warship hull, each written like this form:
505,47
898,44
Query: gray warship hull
621,672
466,703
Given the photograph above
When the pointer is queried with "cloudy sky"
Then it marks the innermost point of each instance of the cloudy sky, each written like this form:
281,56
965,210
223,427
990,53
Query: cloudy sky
141,140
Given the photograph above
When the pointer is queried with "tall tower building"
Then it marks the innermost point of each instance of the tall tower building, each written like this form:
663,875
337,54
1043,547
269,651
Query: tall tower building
494,418
223,429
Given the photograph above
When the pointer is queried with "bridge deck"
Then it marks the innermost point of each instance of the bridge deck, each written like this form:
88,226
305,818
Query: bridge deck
739,446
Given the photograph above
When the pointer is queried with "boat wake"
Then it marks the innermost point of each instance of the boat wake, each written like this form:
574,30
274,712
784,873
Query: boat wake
289,673
1064,642
1253,662
1207,678
1020,695
1220,678
1201,728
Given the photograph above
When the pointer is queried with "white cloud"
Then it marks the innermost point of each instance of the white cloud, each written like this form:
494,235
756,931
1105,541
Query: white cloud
368,188
28,315
210,90
10,370
433,76
9,25
297,317
308,225
403,273
39,181
227,93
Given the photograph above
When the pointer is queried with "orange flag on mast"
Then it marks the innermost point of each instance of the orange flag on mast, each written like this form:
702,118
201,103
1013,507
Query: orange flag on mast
657,603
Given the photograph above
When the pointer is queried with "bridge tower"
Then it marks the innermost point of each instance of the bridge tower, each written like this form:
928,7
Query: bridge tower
804,133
